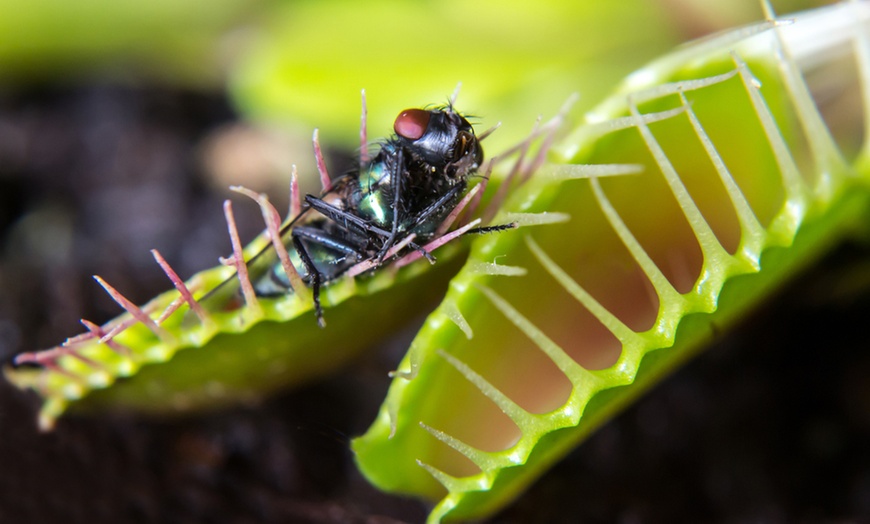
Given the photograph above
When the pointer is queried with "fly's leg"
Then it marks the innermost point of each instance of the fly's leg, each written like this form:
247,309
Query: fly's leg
396,182
438,204
346,220
422,251
324,239
316,278
491,229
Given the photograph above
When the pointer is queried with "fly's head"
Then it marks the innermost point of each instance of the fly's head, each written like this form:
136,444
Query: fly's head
441,138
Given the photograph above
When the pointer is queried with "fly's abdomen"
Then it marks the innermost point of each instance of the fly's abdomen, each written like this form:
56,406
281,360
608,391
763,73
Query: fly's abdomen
330,262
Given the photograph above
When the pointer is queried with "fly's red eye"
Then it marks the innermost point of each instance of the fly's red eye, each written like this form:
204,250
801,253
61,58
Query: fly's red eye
411,123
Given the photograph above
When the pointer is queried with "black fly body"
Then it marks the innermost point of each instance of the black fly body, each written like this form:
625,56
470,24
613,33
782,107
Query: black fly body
409,187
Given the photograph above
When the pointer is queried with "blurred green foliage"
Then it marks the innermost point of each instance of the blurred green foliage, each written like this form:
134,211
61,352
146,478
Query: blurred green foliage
58,41
306,61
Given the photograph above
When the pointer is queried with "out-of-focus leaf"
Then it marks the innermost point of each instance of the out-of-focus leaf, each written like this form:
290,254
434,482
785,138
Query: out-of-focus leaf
177,41
515,61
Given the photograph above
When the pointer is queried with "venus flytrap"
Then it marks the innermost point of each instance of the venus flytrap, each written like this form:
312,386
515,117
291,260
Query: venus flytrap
708,179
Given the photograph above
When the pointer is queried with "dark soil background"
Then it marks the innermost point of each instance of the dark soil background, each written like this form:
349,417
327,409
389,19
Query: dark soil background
772,424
